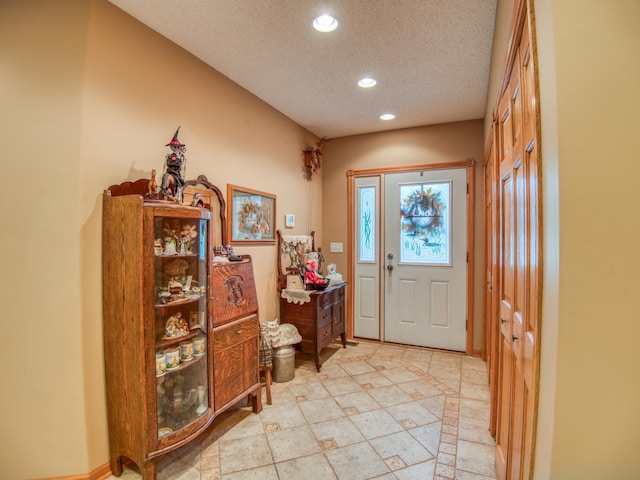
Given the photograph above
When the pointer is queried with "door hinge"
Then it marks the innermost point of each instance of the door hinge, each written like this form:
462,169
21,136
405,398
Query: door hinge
467,257
466,324
467,189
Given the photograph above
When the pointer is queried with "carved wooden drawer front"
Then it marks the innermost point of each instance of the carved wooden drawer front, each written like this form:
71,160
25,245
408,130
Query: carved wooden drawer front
233,292
235,357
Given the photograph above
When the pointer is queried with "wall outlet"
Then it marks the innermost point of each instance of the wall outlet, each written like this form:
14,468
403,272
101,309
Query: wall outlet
336,247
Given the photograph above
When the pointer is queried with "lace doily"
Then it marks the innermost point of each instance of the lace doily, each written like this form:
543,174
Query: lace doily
296,296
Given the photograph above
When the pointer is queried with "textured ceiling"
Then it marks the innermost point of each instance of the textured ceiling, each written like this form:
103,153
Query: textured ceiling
431,57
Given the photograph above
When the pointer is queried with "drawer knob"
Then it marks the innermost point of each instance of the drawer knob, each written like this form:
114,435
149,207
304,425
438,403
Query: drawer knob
239,332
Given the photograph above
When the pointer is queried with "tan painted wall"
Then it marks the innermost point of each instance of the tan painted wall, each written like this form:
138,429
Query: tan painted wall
589,57
452,142
90,97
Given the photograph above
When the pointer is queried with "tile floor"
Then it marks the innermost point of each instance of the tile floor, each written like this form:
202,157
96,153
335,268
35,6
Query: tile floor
374,411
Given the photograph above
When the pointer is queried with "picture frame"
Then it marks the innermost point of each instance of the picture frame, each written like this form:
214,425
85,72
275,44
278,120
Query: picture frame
251,216
197,319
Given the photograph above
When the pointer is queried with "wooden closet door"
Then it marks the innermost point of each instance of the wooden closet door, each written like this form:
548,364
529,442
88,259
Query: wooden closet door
530,328
519,262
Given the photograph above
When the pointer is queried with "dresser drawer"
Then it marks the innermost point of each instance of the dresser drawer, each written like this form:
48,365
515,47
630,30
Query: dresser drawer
324,317
325,299
234,333
325,336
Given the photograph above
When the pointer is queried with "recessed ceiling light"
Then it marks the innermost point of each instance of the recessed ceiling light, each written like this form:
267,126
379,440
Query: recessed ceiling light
325,23
367,82
387,116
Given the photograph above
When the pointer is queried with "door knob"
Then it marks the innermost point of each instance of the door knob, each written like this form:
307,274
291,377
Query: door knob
389,267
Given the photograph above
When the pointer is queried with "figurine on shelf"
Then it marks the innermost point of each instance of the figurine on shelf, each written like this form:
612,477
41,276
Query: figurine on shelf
334,277
153,184
320,260
197,200
175,165
187,235
311,277
176,326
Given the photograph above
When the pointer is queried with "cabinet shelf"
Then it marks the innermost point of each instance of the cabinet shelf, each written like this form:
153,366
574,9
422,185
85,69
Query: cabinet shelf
165,342
177,302
183,365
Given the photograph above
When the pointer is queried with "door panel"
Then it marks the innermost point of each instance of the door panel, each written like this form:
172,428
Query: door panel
367,265
425,279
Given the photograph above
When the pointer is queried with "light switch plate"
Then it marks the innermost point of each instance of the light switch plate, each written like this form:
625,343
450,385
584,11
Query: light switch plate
336,247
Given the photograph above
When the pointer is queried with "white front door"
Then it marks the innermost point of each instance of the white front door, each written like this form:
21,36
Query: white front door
425,258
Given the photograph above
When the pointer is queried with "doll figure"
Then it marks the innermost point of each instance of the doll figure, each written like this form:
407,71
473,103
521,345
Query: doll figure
311,276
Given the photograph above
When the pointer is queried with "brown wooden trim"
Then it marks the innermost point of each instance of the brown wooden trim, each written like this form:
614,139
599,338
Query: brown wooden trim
202,180
350,263
372,172
517,20
470,252
101,473
469,164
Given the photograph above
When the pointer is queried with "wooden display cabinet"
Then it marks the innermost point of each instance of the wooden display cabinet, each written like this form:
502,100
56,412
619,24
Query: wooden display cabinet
156,272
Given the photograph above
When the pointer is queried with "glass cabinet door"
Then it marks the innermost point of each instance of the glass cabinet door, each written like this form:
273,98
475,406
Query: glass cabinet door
181,279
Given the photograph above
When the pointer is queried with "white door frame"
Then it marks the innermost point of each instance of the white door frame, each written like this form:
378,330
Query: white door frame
351,233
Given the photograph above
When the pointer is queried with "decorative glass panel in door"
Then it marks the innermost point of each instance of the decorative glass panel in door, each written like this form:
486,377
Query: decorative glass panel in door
424,223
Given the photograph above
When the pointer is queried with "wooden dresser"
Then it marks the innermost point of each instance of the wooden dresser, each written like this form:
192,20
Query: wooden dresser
318,321
236,332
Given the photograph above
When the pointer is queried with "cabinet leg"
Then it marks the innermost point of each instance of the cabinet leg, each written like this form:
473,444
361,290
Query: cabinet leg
317,362
343,336
116,466
148,470
257,400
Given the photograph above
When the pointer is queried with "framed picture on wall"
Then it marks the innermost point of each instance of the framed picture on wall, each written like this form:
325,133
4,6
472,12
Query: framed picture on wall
251,216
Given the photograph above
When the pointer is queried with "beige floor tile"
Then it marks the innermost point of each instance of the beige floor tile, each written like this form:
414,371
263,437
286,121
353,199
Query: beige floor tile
376,423
244,453
428,436
390,395
420,386
342,386
479,409
360,401
413,411
474,430
321,410
422,471
375,379
315,467
476,458
374,411
403,445
311,390
356,462
358,367
268,472
434,404
342,431
292,443
286,416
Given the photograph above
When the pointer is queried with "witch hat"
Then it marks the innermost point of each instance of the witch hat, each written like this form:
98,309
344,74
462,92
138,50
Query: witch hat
175,142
